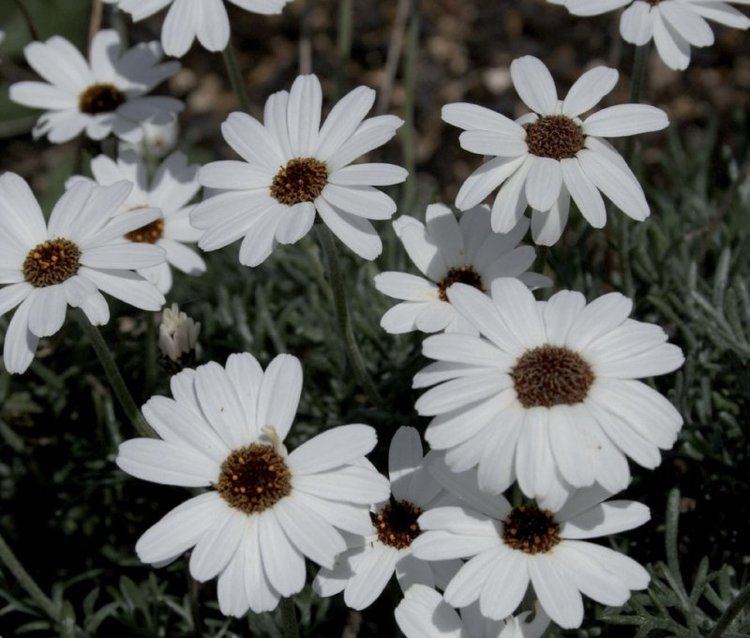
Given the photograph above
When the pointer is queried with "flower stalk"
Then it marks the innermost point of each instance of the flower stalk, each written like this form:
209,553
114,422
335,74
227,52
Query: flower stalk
289,618
29,19
14,566
112,372
341,306
235,77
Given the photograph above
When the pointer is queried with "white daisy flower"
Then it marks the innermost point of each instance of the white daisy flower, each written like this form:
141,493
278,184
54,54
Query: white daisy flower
106,94
510,547
673,25
267,509
423,613
546,157
449,252
186,20
68,261
294,167
549,393
364,570
174,185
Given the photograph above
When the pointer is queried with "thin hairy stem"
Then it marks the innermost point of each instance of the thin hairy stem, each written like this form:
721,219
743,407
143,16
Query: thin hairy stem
395,47
235,77
730,613
289,618
344,43
25,580
338,287
29,19
112,372
408,137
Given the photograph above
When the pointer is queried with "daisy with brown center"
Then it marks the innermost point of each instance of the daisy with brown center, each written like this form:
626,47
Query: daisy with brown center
67,261
106,94
364,570
448,251
424,613
551,155
188,20
510,548
674,25
549,393
174,185
293,168
267,509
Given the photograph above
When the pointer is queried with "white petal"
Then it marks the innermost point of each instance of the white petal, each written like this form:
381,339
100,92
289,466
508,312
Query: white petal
181,528
589,89
625,119
534,84
279,394
543,183
332,448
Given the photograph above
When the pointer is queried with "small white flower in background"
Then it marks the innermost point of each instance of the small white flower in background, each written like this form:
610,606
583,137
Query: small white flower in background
449,252
549,393
365,569
158,139
178,334
674,25
106,94
174,185
293,167
224,429
186,20
546,157
510,547
423,613
68,261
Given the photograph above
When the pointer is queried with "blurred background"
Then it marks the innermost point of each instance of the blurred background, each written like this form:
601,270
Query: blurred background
73,517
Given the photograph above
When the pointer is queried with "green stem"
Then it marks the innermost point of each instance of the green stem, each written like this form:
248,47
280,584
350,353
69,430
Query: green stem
112,372
731,612
152,336
24,579
344,44
289,618
407,131
28,18
235,77
336,278
637,82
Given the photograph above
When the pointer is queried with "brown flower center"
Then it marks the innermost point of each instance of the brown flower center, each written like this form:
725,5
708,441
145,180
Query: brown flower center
549,375
254,478
100,98
51,262
148,234
459,275
301,180
531,530
555,136
397,524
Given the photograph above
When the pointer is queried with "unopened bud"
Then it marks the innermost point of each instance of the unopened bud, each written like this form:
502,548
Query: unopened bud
178,337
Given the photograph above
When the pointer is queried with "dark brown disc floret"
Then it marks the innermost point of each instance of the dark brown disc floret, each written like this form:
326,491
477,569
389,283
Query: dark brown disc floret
396,523
531,530
101,98
148,234
51,262
254,478
459,275
301,180
550,375
554,136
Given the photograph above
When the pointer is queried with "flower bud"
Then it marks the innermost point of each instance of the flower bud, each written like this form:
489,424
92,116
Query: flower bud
178,338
